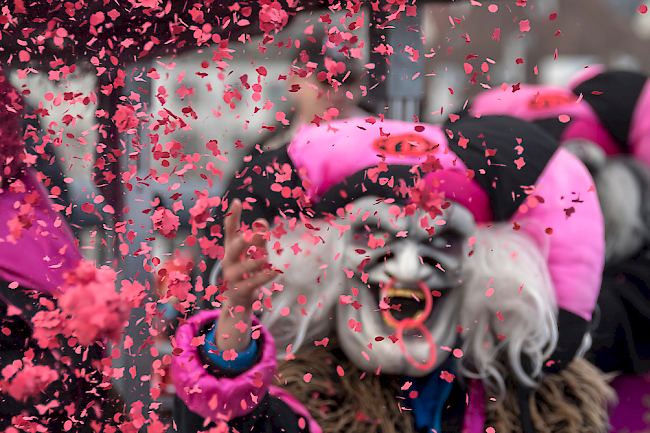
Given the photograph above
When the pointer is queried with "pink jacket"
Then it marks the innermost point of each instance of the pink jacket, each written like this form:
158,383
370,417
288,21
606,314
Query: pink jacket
221,398
35,256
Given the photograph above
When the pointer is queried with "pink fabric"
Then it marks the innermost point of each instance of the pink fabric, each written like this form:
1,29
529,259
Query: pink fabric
531,102
535,102
222,398
632,413
474,421
576,246
40,257
456,186
586,128
325,155
639,134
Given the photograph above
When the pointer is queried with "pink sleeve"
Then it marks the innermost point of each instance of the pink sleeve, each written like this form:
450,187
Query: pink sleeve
571,220
639,135
219,397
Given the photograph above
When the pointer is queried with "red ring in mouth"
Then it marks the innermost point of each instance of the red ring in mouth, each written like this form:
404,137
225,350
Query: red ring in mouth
432,344
409,323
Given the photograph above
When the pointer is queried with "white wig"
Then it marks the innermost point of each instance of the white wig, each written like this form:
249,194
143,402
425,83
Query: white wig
622,185
518,318
308,258
508,311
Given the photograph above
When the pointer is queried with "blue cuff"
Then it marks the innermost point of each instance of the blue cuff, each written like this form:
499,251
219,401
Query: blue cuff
242,360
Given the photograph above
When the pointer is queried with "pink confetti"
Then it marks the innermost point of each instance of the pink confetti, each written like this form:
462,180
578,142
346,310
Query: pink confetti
133,293
272,17
520,163
524,25
447,376
29,381
165,222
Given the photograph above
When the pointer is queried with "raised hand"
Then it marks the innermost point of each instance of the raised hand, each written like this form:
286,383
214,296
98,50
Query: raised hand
244,268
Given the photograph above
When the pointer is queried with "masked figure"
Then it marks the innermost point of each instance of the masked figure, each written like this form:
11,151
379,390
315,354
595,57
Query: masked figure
603,118
432,278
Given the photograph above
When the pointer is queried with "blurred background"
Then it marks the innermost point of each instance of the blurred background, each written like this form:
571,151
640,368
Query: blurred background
204,110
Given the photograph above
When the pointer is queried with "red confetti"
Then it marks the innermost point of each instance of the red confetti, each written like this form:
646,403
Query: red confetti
165,222
272,17
447,376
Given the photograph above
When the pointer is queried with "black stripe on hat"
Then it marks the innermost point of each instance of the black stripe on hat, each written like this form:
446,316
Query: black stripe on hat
553,126
393,183
491,153
613,96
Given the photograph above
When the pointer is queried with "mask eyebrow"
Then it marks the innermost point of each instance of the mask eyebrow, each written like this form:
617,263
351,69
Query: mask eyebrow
375,221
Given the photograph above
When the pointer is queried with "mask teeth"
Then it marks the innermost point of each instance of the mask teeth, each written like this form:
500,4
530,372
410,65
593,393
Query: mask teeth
392,325
395,292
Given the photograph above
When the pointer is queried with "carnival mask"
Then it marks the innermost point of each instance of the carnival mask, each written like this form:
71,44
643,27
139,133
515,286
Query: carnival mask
405,272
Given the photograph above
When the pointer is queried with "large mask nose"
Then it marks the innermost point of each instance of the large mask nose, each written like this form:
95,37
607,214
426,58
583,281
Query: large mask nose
405,264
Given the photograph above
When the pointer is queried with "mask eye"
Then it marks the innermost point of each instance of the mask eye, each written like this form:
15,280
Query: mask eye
445,240
362,236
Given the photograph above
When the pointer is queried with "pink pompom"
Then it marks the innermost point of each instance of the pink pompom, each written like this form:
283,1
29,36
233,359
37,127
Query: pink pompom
29,381
90,309
95,310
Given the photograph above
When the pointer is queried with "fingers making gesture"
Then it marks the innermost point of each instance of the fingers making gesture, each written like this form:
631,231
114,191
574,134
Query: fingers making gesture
244,269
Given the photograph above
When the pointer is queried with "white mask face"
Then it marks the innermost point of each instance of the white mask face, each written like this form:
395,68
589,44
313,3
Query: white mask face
394,258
